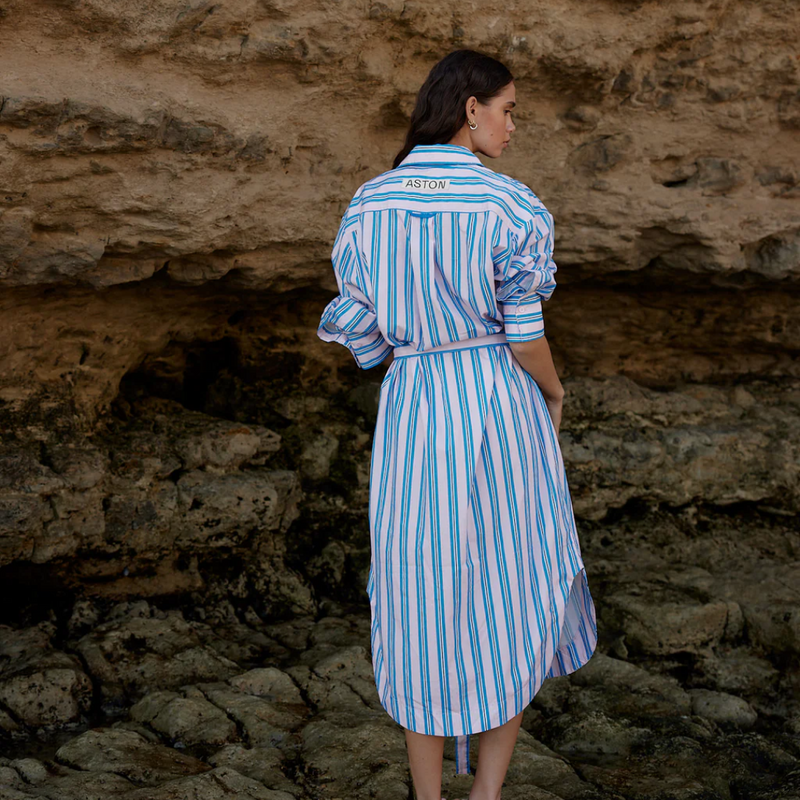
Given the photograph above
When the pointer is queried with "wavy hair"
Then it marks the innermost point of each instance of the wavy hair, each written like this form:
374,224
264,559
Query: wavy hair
440,112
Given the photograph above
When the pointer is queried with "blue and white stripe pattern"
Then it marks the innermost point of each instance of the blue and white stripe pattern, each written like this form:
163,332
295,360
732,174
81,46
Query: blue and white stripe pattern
477,587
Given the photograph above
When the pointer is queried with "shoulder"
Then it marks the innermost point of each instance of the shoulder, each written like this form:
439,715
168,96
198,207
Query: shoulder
372,185
528,209
354,206
519,192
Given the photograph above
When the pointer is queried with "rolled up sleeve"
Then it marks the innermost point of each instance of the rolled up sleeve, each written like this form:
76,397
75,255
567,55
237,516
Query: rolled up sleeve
350,318
527,277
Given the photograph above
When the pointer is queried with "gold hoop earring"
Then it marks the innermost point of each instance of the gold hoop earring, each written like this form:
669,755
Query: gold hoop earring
472,124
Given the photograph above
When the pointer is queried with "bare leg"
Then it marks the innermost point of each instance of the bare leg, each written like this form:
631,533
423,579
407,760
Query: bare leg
494,755
425,760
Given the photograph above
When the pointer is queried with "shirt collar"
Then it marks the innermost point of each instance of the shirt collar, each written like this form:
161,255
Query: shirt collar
440,154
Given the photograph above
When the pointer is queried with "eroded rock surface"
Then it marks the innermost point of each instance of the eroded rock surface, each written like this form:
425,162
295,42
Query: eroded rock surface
39,685
659,135
294,713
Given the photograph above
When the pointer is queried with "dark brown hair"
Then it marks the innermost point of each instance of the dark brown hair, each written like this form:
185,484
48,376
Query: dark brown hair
440,112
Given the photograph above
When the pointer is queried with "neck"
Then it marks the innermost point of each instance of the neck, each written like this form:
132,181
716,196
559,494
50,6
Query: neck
463,138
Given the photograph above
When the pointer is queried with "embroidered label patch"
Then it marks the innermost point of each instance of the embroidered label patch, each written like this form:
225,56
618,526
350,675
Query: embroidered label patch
428,184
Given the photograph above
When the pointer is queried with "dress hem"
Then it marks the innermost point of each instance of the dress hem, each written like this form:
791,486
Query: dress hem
591,650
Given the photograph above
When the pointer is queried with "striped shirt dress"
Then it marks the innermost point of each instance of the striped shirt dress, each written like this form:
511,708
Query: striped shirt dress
477,587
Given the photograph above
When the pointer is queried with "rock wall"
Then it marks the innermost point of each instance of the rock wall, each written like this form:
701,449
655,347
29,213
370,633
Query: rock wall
172,176
150,151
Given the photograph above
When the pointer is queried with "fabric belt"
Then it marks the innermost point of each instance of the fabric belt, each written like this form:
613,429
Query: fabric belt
463,766
464,344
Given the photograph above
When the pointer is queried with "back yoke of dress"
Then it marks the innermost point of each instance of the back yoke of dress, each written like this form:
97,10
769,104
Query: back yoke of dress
477,586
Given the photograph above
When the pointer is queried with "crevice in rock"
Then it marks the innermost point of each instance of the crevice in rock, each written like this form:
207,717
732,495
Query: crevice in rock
241,729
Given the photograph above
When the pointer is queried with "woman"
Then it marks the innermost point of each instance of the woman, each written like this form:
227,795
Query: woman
477,587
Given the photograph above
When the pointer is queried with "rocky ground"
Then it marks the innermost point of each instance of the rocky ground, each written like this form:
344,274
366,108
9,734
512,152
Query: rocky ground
692,692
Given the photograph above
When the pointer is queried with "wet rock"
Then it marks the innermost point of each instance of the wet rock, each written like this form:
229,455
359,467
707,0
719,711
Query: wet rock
31,770
262,764
595,734
533,764
769,604
270,683
342,682
40,685
129,755
618,688
315,460
138,651
364,760
188,720
54,781
264,722
222,783
722,708
739,671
